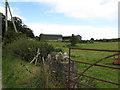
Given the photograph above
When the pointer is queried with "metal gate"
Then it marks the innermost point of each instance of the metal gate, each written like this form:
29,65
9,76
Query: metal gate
91,65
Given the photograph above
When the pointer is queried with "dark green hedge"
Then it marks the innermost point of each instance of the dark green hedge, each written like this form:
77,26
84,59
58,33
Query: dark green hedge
26,49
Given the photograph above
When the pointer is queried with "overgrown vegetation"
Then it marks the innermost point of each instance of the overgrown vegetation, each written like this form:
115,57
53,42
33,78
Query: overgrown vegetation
21,27
18,73
11,36
26,49
15,74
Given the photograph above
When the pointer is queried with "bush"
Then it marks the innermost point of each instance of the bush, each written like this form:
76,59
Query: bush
11,36
91,41
58,50
86,41
26,49
83,41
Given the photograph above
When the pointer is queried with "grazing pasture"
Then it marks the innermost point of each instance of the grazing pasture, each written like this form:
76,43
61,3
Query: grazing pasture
16,75
91,57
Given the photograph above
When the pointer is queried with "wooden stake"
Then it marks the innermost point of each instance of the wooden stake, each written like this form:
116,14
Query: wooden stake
36,57
45,73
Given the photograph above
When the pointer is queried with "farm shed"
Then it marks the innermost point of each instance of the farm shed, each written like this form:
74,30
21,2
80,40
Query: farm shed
50,37
67,38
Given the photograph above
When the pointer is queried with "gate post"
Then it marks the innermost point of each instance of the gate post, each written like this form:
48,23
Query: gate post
69,69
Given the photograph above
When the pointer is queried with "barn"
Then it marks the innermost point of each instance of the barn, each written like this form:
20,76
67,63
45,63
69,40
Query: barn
67,38
50,37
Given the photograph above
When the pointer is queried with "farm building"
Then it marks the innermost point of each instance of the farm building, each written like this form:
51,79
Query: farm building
50,37
67,38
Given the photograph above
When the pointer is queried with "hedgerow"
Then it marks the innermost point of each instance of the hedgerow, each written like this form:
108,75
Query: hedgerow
26,49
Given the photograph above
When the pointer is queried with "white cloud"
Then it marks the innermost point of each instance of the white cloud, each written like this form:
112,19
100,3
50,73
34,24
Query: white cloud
86,32
85,9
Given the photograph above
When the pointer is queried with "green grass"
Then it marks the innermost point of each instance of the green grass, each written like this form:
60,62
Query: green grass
91,57
15,67
15,75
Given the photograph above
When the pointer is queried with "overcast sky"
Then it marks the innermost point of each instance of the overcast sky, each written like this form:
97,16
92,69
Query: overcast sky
89,18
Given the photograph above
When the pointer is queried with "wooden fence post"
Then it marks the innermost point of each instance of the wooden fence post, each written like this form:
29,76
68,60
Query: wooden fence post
69,70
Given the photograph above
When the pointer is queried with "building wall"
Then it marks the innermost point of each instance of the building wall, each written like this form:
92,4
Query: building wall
55,37
50,37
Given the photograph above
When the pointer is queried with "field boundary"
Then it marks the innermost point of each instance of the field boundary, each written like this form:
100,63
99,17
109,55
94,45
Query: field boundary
91,65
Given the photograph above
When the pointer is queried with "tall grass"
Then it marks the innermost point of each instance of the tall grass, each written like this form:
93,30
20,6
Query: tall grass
18,72
15,75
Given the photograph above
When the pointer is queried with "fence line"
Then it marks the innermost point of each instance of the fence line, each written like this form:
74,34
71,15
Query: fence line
95,64
96,49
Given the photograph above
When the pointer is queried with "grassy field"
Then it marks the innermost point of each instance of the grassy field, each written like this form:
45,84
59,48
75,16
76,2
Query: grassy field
92,56
15,75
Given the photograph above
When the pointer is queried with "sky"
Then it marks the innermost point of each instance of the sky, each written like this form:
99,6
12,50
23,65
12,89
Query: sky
96,19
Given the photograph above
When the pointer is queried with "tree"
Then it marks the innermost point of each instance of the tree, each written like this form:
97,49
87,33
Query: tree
22,27
10,35
74,40
27,31
92,39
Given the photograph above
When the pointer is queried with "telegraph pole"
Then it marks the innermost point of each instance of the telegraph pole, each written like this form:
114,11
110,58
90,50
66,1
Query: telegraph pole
12,18
6,15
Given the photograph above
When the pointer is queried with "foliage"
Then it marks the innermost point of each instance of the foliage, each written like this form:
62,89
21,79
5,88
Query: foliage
37,38
58,50
15,75
108,40
92,39
86,41
11,36
19,25
74,40
83,41
26,49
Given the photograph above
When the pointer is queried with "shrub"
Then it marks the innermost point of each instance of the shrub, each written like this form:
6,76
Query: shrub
91,41
58,50
11,36
26,49
83,41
